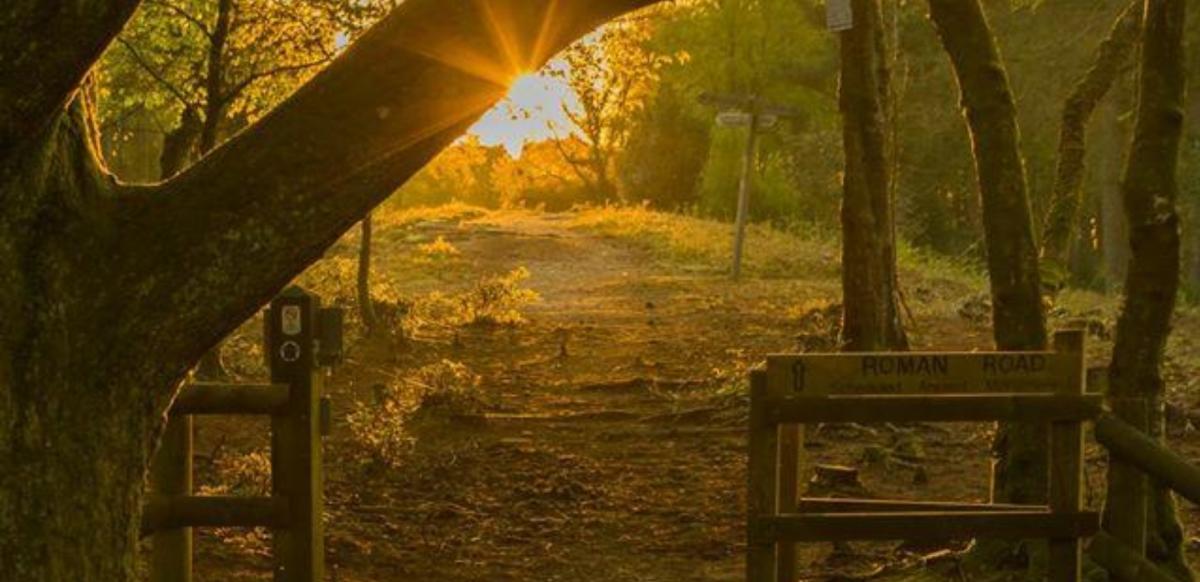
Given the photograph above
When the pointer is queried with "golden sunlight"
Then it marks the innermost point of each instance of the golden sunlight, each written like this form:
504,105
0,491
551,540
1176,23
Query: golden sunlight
532,111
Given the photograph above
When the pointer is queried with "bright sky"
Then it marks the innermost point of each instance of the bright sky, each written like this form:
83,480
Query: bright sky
534,105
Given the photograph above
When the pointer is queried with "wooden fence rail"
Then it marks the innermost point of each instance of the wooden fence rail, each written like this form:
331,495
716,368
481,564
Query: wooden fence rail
300,337
1041,387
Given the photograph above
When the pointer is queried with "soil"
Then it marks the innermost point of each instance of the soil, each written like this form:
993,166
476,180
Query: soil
612,445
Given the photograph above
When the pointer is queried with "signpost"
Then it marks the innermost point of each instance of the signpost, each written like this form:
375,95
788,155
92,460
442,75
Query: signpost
919,373
794,391
757,114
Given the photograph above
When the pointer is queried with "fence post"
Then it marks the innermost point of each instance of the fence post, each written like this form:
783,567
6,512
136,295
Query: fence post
171,475
763,476
1066,463
295,436
1125,509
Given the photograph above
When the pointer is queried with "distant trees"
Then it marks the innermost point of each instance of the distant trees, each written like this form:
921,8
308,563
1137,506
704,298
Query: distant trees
1067,198
611,75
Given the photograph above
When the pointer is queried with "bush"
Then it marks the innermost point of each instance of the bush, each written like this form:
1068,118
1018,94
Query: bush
385,431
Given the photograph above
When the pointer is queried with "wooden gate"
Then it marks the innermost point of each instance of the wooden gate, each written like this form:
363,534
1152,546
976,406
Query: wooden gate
301,339
796,390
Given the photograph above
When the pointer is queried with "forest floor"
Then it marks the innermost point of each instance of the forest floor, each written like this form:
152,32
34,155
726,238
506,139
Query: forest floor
607,438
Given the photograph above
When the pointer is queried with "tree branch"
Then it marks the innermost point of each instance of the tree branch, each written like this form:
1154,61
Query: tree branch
150,70
202,252
46,49
184,14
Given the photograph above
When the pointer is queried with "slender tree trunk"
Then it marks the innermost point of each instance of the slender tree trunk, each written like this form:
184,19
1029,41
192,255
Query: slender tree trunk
1110,154
870,312
111,292
1150,191
1019,323
211,366
366,305
179,145
1067,197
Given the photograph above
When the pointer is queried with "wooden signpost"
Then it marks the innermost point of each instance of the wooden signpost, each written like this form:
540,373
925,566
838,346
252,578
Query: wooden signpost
301,338
794,390
757,114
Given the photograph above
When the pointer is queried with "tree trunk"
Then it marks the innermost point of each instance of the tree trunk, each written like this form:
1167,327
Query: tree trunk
112,292
1019,323
1066,200
870,312
80,403
1150,191
366,305
1110,155
179,145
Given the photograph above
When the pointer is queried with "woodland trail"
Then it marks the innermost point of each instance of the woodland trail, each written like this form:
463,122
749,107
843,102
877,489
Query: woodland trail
612,443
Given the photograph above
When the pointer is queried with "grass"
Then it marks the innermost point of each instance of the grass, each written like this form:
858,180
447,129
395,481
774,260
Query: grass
702,244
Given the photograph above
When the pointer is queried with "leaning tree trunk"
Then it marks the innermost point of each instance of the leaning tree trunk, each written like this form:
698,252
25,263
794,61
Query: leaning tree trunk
1018,319
870,312
1067,197
111,292
1150,191
1019,323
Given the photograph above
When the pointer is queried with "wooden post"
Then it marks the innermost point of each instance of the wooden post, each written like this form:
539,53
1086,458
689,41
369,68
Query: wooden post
791,467
763,477
1125,510
295,436
1066,465
171,475
745,184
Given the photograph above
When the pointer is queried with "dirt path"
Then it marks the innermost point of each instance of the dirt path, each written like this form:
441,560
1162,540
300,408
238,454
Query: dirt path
612,445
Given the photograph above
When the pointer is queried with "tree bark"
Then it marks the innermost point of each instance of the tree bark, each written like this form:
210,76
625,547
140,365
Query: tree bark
1065,201
37,79
870,313
1150,191
112,292
1019,323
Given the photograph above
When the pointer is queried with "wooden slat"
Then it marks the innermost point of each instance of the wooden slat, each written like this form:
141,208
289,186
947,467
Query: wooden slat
933,525
212,398
1136,448
935,408
791,452
917,373
832,505
1123,563
1066,464
763,479
171,476
164,513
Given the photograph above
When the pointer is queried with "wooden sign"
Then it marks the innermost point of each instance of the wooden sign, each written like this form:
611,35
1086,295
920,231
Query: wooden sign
918,373
839,15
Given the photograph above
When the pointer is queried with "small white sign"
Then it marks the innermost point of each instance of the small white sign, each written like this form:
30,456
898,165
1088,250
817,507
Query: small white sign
839,15
733,119
292,324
